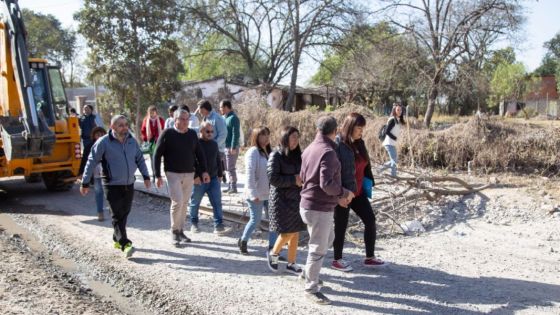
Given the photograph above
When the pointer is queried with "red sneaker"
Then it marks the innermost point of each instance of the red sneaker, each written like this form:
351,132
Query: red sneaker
342,265
373,262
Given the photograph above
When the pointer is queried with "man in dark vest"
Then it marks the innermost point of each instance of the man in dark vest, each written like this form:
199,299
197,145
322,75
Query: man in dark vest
88,121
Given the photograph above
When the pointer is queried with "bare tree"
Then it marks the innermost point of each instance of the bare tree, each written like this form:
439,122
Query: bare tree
372,65
315,23
272,36
450,29
254,30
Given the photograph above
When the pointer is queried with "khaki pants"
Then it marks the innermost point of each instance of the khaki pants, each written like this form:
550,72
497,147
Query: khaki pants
180,190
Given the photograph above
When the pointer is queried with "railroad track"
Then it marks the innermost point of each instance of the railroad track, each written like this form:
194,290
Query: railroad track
228,215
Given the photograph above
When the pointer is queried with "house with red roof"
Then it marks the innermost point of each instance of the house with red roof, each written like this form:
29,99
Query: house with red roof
542,96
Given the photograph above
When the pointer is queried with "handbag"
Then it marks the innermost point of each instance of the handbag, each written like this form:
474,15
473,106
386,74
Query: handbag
147,147
367,187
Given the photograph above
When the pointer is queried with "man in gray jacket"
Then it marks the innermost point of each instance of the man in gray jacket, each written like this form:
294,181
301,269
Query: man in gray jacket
119,155
321,191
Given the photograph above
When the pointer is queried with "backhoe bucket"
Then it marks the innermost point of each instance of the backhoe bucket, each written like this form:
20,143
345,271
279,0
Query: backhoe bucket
18,143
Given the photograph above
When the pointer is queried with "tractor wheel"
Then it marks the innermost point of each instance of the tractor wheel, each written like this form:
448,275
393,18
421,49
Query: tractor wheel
55,181
33,178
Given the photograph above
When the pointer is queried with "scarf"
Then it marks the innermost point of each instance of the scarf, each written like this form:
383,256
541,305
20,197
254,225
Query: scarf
149,127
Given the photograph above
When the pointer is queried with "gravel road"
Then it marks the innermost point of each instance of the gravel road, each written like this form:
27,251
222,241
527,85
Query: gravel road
473,266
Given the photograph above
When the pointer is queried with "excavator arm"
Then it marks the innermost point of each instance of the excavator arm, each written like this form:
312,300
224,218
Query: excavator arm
26,135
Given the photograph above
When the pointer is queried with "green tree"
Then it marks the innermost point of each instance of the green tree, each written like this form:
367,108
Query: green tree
469,88
371,65
508,83
497,57
46,38
207,60
132,49
330,66
550,65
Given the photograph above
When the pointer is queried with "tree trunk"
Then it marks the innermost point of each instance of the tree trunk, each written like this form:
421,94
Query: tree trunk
138,94
122,100
431,105
290,102
289,105
71,74
432,96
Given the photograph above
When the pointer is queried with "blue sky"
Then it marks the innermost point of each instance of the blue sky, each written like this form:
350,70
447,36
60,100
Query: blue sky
543,23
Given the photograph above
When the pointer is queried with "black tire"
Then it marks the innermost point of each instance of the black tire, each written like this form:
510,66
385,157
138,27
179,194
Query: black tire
54,181
33,178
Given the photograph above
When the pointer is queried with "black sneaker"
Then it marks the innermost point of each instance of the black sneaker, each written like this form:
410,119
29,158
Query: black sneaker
183,238
242,247
175,238
272,262
226,191
220,229
280,257
294,268
232,191
318,298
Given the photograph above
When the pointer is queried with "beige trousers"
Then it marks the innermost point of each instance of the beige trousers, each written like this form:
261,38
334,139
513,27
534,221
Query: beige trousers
180,191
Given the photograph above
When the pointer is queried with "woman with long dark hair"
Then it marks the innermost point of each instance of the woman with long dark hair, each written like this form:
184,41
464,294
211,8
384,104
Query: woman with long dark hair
356,169
392,134
283,170
257,184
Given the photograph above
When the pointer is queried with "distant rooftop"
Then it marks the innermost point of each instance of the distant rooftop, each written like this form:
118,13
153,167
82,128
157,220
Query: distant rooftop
545,89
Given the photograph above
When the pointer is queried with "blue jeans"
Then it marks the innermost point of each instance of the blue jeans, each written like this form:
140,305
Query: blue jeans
99,195
255,215
393,159
215,196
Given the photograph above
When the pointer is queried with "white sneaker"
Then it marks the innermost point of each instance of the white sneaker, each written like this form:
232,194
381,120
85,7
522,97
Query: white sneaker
272,262
294,268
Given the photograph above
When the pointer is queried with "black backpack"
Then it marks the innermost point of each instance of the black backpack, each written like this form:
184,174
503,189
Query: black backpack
382,132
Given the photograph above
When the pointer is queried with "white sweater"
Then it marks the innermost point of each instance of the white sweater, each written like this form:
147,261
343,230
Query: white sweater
256,180
395,131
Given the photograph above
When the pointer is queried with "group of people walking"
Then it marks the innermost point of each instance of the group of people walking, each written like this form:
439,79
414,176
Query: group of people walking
298,189
193,156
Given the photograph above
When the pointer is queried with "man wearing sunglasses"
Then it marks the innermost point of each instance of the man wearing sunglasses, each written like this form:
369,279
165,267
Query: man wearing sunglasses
211,188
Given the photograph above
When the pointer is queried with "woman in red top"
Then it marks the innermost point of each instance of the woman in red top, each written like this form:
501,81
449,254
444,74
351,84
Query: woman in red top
152,125
354,160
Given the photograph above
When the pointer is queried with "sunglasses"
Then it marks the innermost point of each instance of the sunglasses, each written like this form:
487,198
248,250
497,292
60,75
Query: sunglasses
209,131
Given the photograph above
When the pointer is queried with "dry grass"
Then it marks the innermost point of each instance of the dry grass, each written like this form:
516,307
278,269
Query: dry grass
492,144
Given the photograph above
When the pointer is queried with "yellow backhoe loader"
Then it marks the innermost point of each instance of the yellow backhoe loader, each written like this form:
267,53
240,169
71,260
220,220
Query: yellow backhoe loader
39,140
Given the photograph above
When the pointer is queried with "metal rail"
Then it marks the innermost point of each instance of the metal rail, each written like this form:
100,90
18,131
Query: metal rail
231,216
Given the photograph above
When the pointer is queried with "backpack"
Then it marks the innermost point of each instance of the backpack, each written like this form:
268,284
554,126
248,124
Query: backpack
382,132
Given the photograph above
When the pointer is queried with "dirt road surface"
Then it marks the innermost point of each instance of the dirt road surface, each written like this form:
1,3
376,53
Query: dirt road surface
56,258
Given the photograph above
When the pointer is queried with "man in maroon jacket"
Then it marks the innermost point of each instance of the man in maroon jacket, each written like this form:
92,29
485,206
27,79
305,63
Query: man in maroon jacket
322,191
